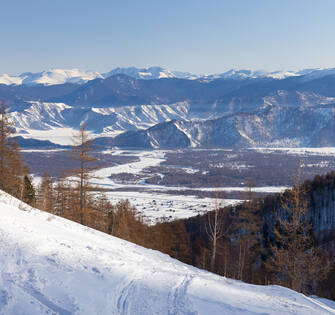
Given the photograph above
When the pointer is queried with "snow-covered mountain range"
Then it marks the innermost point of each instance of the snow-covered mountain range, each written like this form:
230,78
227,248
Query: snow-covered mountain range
273,126
61,76
50,265
238,108
303,119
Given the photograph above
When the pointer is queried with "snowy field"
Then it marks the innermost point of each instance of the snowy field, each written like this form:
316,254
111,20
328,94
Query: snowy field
49,265
157,207
61,136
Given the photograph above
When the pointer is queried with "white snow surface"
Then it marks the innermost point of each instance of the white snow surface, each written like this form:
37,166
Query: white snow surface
49,265
8,80
56,135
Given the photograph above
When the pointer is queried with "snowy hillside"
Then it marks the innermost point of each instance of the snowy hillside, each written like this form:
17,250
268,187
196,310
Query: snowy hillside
47,116
49,265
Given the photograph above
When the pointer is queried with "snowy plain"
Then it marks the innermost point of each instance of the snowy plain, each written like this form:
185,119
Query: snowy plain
49,265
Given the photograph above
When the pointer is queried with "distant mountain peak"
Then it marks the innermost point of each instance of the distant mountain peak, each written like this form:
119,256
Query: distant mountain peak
142,73
50,77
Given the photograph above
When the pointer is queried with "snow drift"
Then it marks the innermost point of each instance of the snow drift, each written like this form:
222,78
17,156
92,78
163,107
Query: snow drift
49,265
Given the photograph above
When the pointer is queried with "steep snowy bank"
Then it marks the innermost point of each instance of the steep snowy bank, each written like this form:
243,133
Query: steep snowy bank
49,265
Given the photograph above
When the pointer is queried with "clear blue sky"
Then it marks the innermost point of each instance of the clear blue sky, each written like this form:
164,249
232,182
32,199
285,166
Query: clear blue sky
201,36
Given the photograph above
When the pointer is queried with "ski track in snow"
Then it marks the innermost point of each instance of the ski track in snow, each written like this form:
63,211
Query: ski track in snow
179,301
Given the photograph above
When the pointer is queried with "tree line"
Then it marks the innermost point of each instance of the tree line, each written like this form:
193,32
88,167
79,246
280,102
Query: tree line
14,175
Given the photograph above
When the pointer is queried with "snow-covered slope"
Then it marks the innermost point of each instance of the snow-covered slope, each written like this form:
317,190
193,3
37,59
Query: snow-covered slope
8,80
111,120
49,265
39,115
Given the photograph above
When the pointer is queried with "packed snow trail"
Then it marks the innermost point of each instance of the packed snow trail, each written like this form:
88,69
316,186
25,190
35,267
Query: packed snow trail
49,265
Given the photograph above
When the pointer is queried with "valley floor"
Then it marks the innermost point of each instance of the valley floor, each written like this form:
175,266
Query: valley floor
173,184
